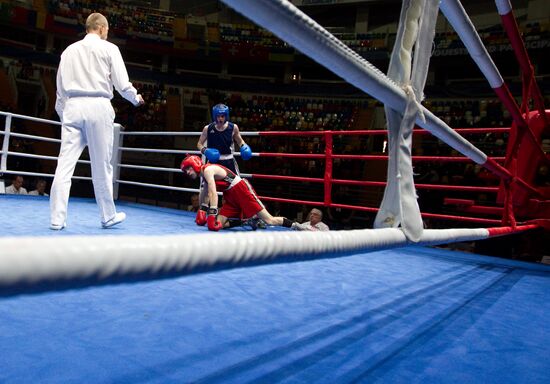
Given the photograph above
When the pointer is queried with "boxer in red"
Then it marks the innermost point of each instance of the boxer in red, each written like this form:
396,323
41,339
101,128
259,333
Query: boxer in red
240,200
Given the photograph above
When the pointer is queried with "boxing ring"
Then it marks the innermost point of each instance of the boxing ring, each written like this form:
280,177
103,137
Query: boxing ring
159,299
410,314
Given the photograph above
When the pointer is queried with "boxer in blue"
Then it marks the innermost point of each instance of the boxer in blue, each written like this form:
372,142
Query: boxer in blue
218,139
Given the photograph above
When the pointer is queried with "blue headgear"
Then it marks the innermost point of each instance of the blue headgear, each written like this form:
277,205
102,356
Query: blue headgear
220,109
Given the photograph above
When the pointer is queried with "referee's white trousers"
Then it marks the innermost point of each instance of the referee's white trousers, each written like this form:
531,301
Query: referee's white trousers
85,121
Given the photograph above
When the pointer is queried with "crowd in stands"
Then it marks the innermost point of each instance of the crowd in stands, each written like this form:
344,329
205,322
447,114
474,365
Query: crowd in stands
364,43
26,70
471,113
124,18
269,113
493,35
151,117
129,19
249,34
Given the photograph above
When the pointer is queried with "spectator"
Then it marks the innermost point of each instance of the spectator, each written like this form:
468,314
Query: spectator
16,188
314,224
195,203
40,188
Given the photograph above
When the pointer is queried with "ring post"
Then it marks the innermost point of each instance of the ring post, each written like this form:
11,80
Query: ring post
4,153
328,168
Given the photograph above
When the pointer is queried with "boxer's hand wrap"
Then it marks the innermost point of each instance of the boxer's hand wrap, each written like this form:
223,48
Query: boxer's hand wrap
213,223
200,219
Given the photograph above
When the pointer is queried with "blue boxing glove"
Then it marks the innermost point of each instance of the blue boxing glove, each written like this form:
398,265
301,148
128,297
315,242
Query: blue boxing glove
212,154
246,152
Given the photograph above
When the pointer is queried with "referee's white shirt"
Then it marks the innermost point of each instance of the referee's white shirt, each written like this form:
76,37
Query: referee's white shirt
91,67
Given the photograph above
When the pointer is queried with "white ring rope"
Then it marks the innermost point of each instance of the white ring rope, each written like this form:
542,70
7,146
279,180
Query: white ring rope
455,13
158,186
44,157
24,117
152,150
149,168
159,133
91,260
33,137
174,133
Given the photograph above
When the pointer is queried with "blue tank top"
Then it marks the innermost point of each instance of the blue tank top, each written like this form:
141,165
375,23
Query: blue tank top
221,140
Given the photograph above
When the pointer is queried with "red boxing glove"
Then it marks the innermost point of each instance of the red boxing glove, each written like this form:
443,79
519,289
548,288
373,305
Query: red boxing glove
213,222
200,219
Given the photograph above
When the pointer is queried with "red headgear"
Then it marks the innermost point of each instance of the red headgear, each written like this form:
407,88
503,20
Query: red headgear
192,161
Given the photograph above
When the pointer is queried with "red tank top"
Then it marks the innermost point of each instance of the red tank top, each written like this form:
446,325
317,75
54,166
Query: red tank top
223,184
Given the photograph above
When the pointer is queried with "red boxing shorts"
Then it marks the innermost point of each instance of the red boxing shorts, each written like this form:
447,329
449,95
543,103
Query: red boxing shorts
240,201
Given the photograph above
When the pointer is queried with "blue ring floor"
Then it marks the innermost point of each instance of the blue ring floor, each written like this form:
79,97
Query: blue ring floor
405,315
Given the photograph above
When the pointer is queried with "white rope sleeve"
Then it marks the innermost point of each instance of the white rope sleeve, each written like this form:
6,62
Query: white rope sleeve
31,264
504,7
455,13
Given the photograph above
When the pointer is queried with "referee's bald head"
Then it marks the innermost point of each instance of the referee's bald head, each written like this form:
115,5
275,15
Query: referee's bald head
95,21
